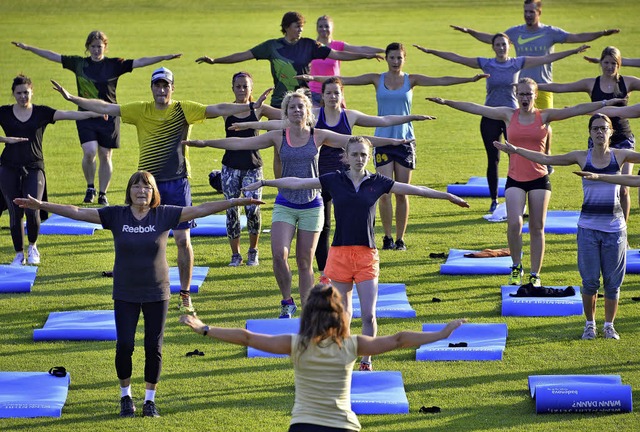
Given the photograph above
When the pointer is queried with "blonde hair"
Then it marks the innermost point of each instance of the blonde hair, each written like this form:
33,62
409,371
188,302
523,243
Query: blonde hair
300,94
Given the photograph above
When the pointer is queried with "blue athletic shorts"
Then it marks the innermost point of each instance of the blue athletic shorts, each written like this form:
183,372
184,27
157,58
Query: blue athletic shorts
178,193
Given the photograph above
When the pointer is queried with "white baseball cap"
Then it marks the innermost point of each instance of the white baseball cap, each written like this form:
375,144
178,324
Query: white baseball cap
162,74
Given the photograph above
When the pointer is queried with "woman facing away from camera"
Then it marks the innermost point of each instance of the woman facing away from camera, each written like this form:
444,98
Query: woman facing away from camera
140,272
353,257
97,78
323,355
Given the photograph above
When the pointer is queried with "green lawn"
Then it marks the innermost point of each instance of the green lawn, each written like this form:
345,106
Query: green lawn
224,390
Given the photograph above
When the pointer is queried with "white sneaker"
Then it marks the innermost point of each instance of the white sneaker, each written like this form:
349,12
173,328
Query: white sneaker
33,256
611,333
18,260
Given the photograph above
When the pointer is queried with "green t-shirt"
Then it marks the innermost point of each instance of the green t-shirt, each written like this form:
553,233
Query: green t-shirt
97,79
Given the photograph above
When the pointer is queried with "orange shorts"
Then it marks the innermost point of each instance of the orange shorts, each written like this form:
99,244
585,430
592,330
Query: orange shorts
352,264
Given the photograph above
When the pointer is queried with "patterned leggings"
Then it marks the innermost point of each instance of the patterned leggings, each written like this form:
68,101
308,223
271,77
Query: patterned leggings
233,180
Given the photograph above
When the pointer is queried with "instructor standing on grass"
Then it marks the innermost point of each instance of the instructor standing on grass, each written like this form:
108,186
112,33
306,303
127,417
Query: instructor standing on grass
162,125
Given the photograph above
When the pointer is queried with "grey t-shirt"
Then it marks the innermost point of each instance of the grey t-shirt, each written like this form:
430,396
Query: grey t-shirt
299,162
140,269
502,77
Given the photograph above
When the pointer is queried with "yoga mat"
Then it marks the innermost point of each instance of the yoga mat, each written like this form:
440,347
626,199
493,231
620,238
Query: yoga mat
476,187
197,279
485,342
540,306
378,392
580,393
274,326
392,302
32,394
213,225
633,261
17,279
457,264
61,225
559,222
77,326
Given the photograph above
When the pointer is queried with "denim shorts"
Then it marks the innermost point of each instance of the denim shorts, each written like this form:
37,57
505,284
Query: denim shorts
602,252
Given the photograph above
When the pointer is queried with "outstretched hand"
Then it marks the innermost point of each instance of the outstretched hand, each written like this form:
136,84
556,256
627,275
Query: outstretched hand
437,100
20,45
506,147
586,174
13,140
246,201
609,32
194,322
252,186
304,77
239,126
592,59
478,77
423,49
582,48
262,98
459,28
57,87
174,56
193,143
452,325
205,59
29,203
458,201
419,117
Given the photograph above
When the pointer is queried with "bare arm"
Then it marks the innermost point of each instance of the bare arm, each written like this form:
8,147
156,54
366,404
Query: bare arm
423,191
147,61
259,125
362,49
232,58
574,157
496,113
75,115
481,36
49,55
552,114
211,207
252,143
540,60
347,55
280,344
365,79
333,139
472,62
621,179
368,345
227,109
95,105
72,212
285,183
12,140
361,119
269,112
423,80
631,111
584,85
588,37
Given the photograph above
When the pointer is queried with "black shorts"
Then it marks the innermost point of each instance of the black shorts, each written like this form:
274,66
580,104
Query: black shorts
528,186
404,154
106,132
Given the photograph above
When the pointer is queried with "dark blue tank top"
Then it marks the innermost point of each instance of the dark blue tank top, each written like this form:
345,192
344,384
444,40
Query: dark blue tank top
330,158
241,159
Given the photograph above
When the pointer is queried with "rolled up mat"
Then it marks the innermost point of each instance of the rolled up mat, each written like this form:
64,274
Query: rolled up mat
458,264
547,380
559,222
17,279
197,279
540,306
583,397
476,187
484,342
274,326
378,392
32,394
61,225
633,261
78,326
392,302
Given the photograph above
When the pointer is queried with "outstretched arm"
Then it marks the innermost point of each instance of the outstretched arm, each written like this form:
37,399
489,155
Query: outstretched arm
227,109
280,344
482,37
211,207
347,55
147,61
49,55
537,61
423,191
365,79
75,115
496,113
361,119
588,37
72,212
362,49
423,80
368,345
95,105
232,58
252,143
621,179
472,62
631,111
12,140
584,85
553,114
333,139
574,157
259,125
285,183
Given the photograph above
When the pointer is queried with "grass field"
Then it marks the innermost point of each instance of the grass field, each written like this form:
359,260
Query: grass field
224,390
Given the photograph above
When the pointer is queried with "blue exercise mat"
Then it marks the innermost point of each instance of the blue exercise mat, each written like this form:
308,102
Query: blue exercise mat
17,279
392,302
274,326
580,393
540,306
213,225
484,342
559,222
32,394
78,325
476,187
458,264
197,279
61,225
633,261
378,392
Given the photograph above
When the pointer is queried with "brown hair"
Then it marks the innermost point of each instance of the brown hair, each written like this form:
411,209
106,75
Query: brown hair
96,35
323,317
537,3
356,140
20,80
147,178
598,116
395,46
290,18
499,35
242,74
614,53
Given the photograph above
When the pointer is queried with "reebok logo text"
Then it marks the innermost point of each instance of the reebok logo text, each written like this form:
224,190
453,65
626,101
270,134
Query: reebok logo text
139,229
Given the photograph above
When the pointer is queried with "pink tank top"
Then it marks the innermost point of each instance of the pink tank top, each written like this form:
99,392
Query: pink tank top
325,67
531,137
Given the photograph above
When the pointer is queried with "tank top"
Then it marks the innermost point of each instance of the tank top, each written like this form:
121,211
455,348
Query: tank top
298,162
601,208
241,159
621,126
531,137
331,157
395,102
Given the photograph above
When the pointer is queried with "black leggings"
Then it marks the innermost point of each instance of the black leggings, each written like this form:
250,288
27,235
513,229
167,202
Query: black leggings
126,317
324,241
17,183
491,130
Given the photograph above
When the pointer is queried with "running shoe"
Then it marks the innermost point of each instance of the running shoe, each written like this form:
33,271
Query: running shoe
252,257
185,306
127,408
102,200
516,275
33,256
589,332
400,245
534,280
287,308
90,195
19,259
236,260
388,244
365,366
149,409
610,333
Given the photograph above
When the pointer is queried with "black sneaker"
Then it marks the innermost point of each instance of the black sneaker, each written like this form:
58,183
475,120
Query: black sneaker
387,243
149,409
127,408
102,200
400,245
90,195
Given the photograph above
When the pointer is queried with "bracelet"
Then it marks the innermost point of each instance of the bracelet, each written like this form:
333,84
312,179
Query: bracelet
251,105
262,182
205,330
